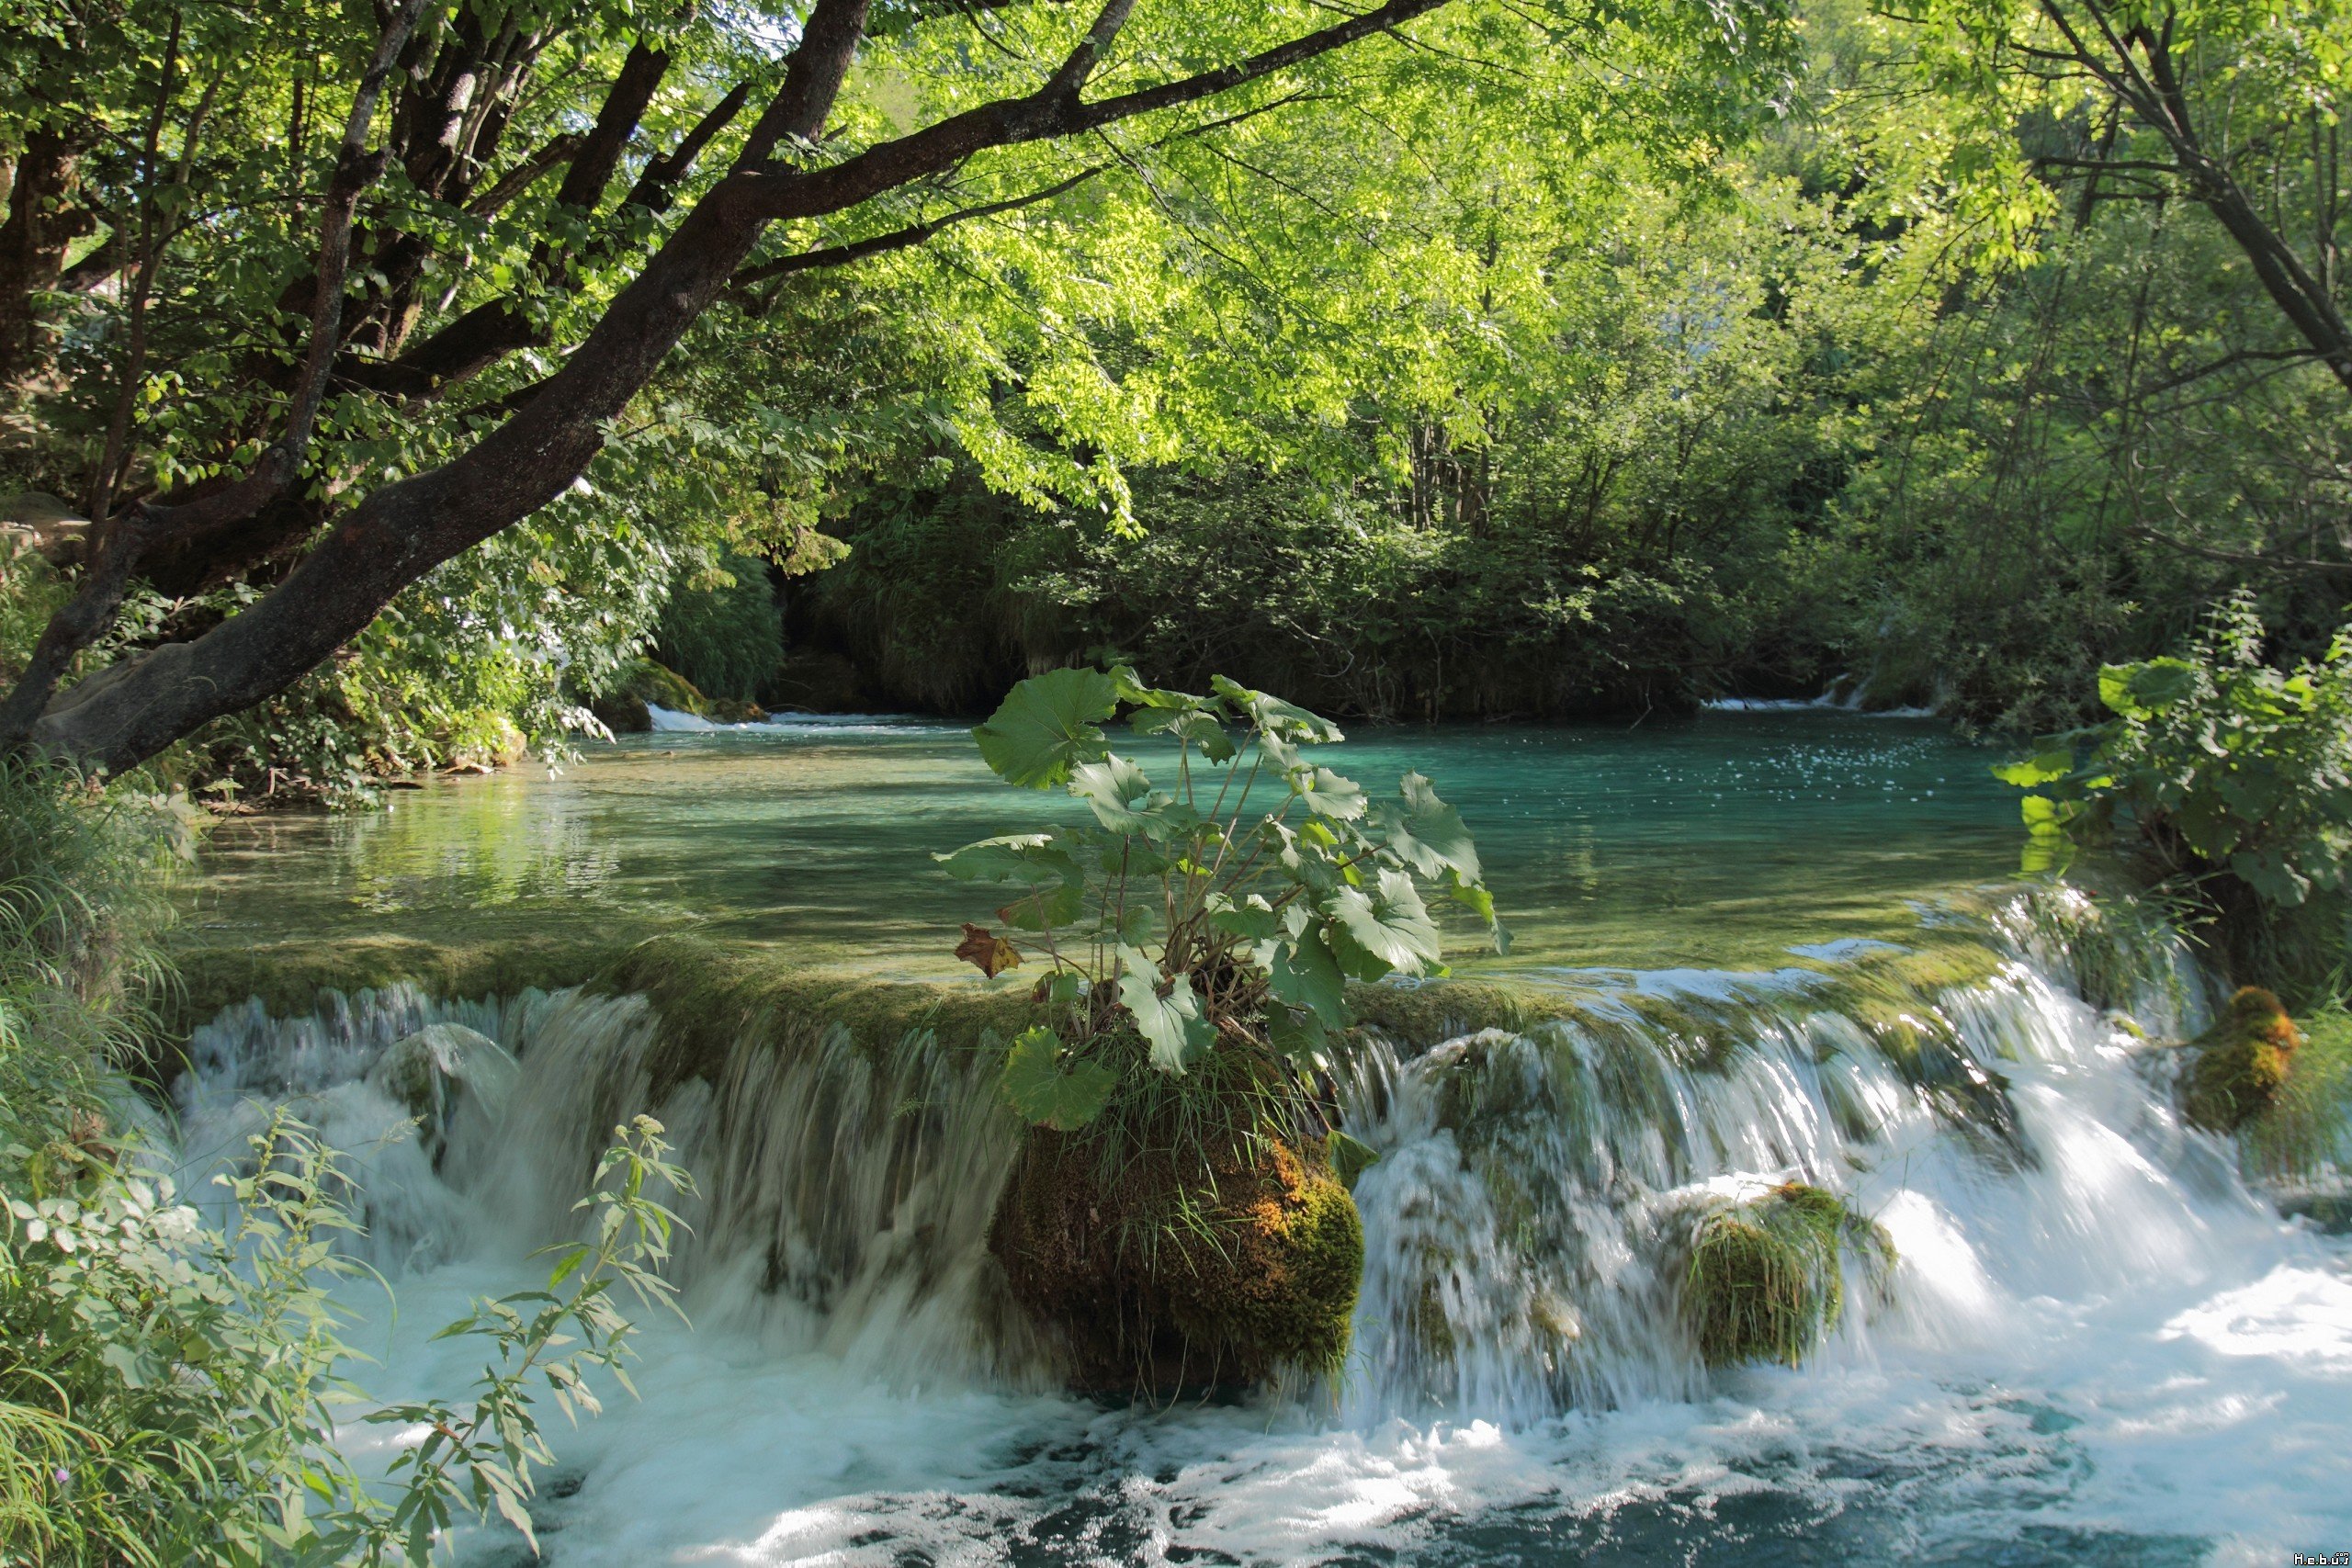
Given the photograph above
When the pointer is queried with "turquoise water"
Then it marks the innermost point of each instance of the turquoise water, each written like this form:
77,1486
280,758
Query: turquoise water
1718,840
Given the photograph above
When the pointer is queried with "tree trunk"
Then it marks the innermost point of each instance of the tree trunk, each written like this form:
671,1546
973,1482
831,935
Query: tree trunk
42,225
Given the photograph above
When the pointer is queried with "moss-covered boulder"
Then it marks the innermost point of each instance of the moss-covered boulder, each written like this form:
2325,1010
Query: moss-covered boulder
625,709
2241,1062
1163,1273
1766,1279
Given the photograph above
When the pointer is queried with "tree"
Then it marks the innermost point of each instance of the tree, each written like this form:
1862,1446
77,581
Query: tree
391,325
2235,105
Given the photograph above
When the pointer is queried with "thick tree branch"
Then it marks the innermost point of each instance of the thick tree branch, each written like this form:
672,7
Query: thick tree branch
399,531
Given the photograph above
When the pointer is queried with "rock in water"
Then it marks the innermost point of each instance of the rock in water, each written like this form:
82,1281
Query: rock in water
1765,1281
1168,1273
2241,1062
418,1071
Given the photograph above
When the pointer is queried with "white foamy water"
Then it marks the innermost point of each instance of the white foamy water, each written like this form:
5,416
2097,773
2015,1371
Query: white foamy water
2097,1343
670,721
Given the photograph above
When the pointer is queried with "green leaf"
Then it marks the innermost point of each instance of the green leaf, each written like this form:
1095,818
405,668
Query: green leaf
1200,728
1429,835
1252,919
1171,1023
1284,721
1305,973
1349,1156
2134,691
1297,1033
1327,794
1015,857
1121,797
2042,768
1382,931
1047,908
1044,1091
1046,725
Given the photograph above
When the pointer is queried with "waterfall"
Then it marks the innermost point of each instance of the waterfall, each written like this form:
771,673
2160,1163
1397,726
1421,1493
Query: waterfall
1526,1227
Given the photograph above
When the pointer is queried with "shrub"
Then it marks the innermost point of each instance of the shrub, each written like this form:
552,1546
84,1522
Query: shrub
2233,778
724,634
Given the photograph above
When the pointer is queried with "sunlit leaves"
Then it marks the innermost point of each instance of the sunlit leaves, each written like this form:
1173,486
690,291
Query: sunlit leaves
1047,726
1381,930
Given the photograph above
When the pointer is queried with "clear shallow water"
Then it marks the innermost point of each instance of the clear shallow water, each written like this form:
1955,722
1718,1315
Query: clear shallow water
1714,841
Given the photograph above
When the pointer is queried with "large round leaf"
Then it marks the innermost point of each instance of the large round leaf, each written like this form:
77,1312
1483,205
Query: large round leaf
1045,1092
1170,1022
1046,725
1381,930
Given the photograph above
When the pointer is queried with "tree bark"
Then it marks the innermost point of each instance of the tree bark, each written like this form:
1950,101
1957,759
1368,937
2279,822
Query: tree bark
42,226
127,712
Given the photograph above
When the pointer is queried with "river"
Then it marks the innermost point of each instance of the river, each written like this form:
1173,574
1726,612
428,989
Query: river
2100,1342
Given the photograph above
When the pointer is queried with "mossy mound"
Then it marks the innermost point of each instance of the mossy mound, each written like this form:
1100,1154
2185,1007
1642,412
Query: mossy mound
2304,1134
1765,1281
623,708
2241,1062
1165,1274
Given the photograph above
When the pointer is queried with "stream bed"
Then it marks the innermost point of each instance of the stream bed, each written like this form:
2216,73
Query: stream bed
2100,1342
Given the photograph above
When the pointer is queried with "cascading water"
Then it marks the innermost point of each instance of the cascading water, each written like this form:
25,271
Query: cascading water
2095,1337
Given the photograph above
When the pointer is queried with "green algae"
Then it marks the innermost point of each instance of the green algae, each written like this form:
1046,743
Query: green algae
711,995
288,977
1765,1281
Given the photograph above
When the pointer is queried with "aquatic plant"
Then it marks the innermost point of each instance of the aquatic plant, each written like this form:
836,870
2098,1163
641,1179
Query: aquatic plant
2241,1062
1765,1281
1185,919
1180,1213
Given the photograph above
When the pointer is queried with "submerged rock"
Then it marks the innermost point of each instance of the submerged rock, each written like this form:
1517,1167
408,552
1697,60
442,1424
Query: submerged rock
1162,1274
427,1071
1765,1280
2241,1062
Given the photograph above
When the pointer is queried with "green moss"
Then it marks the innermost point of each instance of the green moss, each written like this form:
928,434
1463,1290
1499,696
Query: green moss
2307,1127
1159,1283
288,977
1765,1281
2241,1064
1437,1010
711,995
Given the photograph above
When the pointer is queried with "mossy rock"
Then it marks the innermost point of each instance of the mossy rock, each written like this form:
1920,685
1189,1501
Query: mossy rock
623,709
1765,1281
2241,1062
1173,1273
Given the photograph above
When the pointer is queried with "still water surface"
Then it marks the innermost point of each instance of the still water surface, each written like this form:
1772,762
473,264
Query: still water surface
1716,842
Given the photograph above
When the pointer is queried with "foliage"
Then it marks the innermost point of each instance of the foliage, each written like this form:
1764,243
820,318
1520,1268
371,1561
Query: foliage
169,1392
724,631
183,1382
1185,920
2232,776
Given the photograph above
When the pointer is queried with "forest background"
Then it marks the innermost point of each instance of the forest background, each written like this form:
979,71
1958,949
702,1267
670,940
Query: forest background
1541,361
